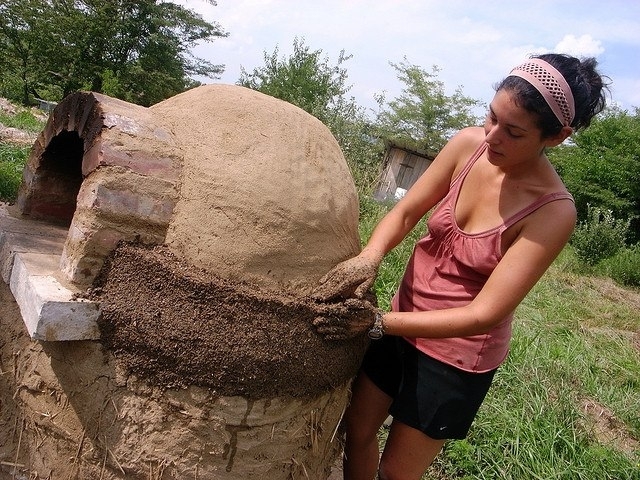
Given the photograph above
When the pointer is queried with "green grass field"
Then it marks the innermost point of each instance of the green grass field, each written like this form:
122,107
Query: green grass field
12,158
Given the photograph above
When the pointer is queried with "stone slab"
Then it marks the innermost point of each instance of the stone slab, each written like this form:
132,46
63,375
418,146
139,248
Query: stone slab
30,264
12,243
11,221
48,308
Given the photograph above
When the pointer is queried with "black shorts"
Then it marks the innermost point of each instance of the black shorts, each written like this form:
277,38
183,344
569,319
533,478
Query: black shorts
428,395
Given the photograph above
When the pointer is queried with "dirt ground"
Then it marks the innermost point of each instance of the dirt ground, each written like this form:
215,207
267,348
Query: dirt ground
178,326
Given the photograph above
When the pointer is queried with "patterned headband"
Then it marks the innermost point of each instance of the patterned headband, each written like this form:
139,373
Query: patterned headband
551,85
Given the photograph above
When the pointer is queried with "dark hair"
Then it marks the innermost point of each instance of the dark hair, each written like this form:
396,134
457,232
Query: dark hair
587,85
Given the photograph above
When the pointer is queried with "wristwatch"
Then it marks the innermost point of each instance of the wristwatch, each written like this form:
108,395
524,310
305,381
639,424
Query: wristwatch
376,332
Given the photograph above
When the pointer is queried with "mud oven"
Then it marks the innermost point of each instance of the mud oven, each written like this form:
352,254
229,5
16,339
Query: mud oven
228,181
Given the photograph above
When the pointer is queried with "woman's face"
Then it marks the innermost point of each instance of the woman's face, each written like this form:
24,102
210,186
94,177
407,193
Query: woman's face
511,132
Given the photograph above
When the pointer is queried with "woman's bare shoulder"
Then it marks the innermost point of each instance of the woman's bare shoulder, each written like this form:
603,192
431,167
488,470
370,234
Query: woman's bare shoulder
464,142
462,146
470,136
552,223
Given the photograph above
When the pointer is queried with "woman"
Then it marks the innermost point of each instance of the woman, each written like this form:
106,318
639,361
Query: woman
502,217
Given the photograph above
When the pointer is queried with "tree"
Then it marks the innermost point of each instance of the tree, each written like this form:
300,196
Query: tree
20,22
305,79
423,117
135,50
308,80
601,166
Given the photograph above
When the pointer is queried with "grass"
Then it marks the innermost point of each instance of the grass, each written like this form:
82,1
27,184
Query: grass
13,156
566,403
12,160
23,120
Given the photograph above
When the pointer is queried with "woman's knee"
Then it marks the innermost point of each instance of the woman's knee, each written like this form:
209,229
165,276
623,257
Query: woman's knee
387,472
408,453
359,430
366,412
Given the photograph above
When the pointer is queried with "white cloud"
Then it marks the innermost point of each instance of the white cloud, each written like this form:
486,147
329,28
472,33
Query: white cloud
582,46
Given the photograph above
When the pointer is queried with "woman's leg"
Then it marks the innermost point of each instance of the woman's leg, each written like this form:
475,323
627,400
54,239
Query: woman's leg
363,418
407,453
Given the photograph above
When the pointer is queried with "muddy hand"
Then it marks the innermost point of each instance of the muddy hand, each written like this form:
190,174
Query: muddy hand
353,277
352,318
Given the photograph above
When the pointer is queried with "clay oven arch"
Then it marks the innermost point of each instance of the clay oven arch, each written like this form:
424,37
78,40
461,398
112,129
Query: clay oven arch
107,170
57,180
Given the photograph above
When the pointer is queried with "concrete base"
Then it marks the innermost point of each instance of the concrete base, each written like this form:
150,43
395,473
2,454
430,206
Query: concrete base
30,264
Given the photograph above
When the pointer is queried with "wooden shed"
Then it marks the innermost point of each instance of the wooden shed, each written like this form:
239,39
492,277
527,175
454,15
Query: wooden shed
402,166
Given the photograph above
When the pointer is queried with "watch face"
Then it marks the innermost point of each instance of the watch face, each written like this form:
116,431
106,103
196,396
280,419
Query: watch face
375,333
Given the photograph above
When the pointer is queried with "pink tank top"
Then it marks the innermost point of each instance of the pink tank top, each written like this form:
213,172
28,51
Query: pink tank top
448,268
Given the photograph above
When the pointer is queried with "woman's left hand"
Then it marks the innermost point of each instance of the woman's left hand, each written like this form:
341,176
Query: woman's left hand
353,277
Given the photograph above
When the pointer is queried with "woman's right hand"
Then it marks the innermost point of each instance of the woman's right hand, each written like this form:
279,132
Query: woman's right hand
351,278
345,320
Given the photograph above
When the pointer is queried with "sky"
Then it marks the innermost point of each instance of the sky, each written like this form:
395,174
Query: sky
474,44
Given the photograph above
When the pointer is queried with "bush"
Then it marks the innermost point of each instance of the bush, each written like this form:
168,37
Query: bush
624,266
23,120
12,160
600,236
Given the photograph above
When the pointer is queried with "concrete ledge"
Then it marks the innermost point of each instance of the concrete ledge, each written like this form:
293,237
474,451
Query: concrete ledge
15,242
48,308
30,263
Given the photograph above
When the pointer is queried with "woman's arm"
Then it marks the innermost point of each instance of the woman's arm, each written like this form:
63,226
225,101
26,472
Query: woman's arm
358,274
428,190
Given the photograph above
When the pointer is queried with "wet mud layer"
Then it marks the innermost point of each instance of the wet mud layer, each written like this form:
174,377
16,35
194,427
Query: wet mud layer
177,326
